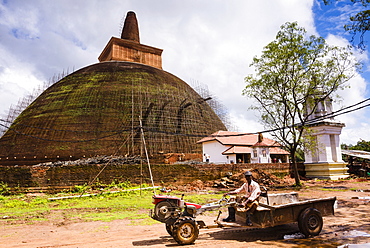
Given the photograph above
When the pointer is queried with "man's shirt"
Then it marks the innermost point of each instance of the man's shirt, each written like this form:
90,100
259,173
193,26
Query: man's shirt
252,191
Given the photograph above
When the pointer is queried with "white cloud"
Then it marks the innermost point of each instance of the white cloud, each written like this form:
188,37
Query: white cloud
357,121
17,78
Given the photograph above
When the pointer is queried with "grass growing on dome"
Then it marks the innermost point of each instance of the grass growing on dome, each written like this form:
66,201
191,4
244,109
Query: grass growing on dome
96,101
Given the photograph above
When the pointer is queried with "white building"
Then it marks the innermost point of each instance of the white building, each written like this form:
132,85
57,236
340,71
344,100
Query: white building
225,147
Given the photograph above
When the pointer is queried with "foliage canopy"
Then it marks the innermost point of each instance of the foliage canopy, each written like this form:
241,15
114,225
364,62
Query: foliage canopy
293,75
361,145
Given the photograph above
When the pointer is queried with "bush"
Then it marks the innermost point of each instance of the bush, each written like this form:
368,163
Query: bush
4,189
79,188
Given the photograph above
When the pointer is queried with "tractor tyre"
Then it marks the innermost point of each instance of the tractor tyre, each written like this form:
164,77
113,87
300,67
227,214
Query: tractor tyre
310,222
163,210
185,230
169,229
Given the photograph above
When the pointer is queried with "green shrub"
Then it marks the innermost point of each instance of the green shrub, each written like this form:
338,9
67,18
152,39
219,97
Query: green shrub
79,188
4,189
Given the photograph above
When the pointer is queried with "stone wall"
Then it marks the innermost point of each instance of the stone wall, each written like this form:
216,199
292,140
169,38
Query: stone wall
53,176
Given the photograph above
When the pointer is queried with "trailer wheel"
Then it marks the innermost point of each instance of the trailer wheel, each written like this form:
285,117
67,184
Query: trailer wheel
185,231
310,222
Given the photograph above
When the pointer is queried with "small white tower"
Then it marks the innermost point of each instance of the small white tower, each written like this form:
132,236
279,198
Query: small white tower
325,159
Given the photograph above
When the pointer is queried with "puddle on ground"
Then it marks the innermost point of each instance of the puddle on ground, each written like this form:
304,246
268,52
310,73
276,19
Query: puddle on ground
355,246
361,190
294,236
355,234
299,239
335,187
361,197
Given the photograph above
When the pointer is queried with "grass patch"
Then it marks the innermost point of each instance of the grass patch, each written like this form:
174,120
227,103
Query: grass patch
131,205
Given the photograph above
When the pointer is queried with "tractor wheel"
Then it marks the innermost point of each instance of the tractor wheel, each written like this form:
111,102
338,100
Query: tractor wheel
169,229
162,211
310,222
185,231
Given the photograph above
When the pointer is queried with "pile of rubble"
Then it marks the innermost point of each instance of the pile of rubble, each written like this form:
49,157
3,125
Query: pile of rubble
261,177
114,160
265,179
228,181
234,181
196,186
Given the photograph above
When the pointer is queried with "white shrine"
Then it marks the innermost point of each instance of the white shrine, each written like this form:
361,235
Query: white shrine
324,161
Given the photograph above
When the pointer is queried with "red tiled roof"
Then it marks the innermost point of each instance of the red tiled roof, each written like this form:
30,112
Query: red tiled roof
237,150
260,144
236,138
277,150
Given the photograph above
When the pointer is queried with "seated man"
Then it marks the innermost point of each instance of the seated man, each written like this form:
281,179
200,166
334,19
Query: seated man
249,201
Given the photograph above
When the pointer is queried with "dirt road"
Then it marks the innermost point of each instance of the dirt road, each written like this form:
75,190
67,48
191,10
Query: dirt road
350,225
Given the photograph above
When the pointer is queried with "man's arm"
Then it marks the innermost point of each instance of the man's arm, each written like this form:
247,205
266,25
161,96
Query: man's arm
234,192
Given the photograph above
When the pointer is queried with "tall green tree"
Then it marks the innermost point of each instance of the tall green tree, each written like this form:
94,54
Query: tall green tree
294,73
361,145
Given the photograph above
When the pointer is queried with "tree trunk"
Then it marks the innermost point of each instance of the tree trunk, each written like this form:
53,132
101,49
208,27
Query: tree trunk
295,170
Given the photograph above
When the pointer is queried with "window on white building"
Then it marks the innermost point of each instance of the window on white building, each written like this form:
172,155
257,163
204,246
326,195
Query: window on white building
255,153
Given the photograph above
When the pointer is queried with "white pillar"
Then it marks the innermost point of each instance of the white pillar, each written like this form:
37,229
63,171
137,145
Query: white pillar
325,160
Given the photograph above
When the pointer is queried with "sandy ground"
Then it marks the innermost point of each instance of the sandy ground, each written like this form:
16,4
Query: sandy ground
349,225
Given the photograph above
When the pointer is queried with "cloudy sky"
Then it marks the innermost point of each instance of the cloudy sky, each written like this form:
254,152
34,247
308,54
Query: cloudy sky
211,42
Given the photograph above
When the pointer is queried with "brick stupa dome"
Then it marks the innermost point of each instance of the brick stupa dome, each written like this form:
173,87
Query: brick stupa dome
97,109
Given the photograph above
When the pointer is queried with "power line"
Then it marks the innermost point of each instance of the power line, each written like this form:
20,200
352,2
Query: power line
336,113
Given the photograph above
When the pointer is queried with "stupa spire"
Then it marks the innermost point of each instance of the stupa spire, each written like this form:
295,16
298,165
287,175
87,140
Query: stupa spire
128,47
130,29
